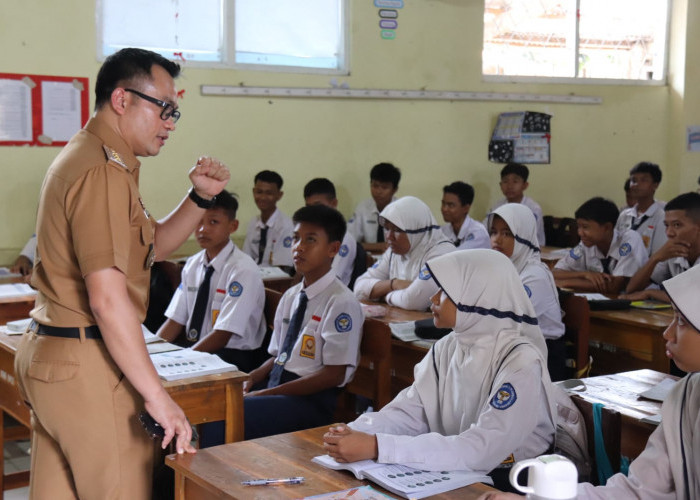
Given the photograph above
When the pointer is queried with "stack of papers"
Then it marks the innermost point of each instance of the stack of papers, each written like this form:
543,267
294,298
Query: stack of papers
11,290
272,272
16,327
404,330
186,363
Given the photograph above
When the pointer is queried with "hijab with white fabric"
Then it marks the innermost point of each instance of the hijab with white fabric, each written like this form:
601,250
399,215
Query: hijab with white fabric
413,216
523,225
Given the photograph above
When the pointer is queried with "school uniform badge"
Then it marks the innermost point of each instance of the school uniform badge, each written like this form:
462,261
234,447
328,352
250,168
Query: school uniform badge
343,250
308,347
576,253
235,289
469,237
343,323
505,397
625,249
287,242
424,273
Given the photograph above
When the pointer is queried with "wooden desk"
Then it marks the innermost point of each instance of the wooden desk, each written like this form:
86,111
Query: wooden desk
629,339
203,399
217,472
620,392
404,355
551,255
14,308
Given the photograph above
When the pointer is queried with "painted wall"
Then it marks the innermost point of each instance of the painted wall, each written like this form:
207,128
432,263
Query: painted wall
438,47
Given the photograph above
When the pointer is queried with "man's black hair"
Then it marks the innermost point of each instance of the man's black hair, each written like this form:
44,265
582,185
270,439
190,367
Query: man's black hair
126,66
515,168
463,191
332,221
386,172
228,203
689,202
646,167
270,177
598,209
319,185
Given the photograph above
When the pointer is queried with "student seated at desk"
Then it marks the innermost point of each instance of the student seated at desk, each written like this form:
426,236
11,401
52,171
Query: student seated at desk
513,230
513,185
364,224
401,277
25,261
680,252
647,215
482,396
219,303
315,344
605,258
461,229
667,469
268,239
351,260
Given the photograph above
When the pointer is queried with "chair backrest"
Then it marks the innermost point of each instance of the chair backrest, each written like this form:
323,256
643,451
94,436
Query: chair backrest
372,378
577,323
272,300
359,266
611,427
560,231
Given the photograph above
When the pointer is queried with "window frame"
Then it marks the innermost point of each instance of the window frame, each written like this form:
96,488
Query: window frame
577,80
229,46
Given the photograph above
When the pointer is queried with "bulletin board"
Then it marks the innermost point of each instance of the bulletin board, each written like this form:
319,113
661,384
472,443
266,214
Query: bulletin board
41,110
521,137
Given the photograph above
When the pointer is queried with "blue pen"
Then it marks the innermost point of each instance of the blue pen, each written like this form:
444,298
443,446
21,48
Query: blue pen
267,482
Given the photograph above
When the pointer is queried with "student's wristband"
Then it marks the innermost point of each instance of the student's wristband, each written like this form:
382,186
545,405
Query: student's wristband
199,201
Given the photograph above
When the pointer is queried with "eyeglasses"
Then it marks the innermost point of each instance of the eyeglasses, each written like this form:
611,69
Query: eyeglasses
169,110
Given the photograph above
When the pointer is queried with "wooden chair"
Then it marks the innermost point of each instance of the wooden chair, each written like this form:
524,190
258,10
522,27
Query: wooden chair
560,231
272,300
372,378
611,426
577,323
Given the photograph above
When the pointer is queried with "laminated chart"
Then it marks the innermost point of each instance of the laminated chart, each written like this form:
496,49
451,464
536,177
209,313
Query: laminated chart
521,137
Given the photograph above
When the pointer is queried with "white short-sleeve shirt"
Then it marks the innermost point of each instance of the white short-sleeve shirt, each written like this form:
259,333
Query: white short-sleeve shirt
364,221
344,261
472,234
650,225
331,329
670,268
236,297
627,254
278,251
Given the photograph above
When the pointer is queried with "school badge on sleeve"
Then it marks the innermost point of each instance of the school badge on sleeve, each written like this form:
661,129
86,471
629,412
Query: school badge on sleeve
235,289
424,273
625,249
505,397
343,323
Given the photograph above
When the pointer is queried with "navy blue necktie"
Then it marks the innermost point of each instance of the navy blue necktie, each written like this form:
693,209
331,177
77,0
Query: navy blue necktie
635,225
200,306
380,234
289,341
263,243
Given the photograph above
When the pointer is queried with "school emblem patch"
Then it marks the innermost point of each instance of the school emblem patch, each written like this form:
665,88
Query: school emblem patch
343,323
527,290
343,250
576,253
308,347
469,237
424,273
235,289
287,242
505,397
625,249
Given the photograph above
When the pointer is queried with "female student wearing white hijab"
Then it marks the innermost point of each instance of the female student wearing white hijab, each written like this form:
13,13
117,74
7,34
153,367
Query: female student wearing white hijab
482,397
401,277
668,468
513,230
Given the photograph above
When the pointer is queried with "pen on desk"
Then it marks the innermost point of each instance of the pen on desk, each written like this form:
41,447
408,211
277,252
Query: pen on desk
267,482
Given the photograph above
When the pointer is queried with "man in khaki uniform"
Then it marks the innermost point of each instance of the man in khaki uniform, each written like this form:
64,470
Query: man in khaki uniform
83,366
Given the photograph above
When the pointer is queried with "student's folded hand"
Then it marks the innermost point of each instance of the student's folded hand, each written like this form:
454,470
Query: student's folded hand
346,445
671,249
600,280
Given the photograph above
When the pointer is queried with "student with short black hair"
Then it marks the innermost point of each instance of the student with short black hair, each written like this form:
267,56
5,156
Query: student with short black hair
315,345
461,229
363,225
231,324
513,185
630,200
400,277
268,239
605,258
647,215
680,252
351,260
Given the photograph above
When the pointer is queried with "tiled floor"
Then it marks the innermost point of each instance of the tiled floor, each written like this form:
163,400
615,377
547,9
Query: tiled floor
17,459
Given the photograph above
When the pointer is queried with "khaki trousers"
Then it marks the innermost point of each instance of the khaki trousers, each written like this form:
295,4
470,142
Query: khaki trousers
87,441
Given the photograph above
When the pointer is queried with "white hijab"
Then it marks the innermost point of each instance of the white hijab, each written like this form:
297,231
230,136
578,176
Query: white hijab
681,413
412,215
495,327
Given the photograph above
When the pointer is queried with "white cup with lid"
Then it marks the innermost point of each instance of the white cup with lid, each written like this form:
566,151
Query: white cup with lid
550,477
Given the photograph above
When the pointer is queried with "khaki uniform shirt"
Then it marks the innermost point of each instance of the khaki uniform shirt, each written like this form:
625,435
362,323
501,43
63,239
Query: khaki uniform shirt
90,217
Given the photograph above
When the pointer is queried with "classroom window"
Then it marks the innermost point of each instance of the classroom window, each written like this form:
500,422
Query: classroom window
282,35
580,39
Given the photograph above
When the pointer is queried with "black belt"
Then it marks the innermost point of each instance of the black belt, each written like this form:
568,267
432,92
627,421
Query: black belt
91,332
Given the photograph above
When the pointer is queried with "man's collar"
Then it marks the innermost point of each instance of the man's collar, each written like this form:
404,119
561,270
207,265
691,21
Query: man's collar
116,148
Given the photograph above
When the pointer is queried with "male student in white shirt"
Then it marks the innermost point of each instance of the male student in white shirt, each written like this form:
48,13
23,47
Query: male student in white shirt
461,229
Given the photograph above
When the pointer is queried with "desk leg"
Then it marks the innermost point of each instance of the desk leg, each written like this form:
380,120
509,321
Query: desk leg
234,413
179,486
2,454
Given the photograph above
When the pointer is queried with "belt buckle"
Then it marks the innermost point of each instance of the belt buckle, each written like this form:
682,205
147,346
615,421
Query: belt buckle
33,327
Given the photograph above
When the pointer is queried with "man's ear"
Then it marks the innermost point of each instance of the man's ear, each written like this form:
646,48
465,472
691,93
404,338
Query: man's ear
233,226
334,248
525,185
118,100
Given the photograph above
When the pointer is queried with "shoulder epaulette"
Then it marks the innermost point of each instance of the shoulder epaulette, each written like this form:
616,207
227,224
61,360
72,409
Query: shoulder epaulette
112,155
